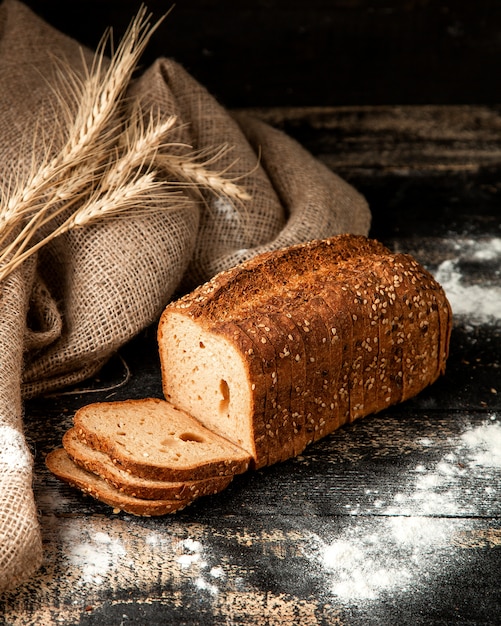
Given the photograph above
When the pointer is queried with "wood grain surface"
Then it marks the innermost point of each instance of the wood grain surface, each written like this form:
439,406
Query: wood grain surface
395,519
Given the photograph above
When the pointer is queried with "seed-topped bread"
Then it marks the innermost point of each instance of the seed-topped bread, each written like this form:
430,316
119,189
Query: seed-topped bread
283,349
258,363
60,464
128,483
154,440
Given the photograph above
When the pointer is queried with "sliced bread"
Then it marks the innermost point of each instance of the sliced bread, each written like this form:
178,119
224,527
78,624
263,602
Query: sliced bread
128,483
258,363
154,440
60,464
365,329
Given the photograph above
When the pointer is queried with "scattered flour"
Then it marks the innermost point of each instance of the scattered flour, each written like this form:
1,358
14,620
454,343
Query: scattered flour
397,550
369,559
192,558
112,555
438,489
484,445
14,453
94,558
479,303
226,210
489,250
392,552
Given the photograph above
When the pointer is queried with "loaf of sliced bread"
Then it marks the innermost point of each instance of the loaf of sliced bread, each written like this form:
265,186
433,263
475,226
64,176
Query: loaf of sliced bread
258,363
154,440
282,350
60,464
128,483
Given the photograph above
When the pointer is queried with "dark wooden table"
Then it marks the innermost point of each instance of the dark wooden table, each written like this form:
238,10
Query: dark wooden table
395,519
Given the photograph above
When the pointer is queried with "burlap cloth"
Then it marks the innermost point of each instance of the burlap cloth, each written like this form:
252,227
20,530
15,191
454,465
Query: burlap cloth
63,314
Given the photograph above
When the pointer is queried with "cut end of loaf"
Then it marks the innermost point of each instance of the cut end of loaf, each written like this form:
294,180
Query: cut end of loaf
205,376
285,348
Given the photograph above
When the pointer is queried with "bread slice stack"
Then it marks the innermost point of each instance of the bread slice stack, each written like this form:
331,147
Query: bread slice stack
257,364
144,457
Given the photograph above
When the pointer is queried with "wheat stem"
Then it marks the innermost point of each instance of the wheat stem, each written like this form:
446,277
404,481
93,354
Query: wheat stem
119,181
53,186
188,169
108,164
145,190
98,96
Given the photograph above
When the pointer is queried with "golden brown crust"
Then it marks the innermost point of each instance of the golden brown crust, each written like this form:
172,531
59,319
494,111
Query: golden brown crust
250,282
228,460
328,332
129,484
60,464
364,329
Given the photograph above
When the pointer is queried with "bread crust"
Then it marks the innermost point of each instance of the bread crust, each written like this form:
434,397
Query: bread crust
129,484
60,464
324,333
378,333
227,460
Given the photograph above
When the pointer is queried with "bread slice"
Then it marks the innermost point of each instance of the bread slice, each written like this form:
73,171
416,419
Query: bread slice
60,464
154,440
385,343
129,484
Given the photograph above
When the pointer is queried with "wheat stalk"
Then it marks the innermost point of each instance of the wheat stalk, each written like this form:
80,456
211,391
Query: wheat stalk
91,135
145,190
103,89
99,94
192,168
126,180
107,165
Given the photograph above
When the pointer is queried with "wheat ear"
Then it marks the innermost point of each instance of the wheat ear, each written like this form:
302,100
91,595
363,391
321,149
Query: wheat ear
99,94
193,168
145,191
60,182
107,165
128,181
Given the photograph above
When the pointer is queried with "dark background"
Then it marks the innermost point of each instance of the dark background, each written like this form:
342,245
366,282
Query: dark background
314,52
432,176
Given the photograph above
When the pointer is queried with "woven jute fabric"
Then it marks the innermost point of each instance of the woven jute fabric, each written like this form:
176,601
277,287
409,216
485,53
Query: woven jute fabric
65,312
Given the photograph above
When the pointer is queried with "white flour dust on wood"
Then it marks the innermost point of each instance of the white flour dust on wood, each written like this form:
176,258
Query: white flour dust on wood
442,487
404,546
117,554
93,557
478,301
194,558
